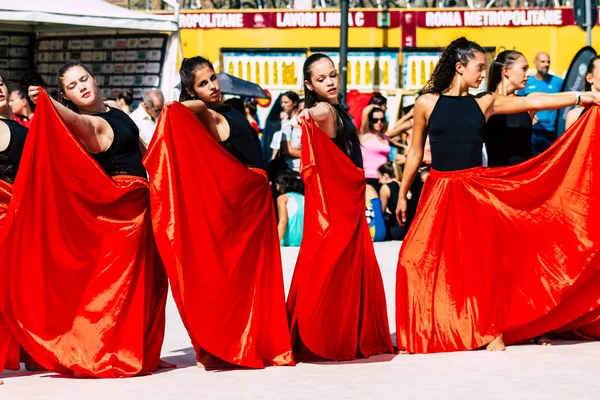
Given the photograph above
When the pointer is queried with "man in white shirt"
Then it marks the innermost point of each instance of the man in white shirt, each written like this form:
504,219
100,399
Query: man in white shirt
147,113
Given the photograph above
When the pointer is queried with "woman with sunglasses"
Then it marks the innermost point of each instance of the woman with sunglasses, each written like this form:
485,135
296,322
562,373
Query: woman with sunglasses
375,146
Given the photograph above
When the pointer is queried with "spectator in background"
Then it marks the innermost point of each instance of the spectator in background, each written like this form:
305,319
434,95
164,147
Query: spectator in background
408,139
300,104
146,115
24,115
22,107
237,104
291,131
379,100
250,113
375,147
376,101
31,78
388,194
374,215
124,100
543,82
276,140
290,208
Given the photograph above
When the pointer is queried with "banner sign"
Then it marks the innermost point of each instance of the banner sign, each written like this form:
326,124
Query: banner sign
440,18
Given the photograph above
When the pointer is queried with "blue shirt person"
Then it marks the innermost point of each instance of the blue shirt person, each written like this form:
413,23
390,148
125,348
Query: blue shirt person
543,82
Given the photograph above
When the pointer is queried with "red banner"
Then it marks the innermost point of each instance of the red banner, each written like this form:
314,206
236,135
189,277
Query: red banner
287,19
492,18
407,19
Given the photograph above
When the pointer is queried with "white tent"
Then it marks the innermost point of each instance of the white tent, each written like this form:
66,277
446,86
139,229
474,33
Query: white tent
68,17
61,15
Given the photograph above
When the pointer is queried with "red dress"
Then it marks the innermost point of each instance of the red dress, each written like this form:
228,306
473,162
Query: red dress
87,288
336,302
510,250
215,228
9,347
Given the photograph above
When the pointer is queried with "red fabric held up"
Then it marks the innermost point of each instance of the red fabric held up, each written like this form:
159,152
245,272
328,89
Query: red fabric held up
215,227
336,303
510,251
87,290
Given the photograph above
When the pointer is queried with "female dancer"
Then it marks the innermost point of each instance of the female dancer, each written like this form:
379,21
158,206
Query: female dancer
457,286
125,99
22,107
215,227
592,84
508,137
229,127
87,288
12,141
336,258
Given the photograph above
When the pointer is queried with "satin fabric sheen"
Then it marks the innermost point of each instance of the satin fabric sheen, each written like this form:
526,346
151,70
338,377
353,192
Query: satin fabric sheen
9,347
336,302
87,290
215,227
504,250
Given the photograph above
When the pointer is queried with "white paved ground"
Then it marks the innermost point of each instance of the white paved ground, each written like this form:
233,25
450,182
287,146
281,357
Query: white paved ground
564,371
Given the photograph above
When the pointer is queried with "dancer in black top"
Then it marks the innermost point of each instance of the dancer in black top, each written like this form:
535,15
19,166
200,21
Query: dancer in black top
112,139
592,84
200,92
456,122
105,131
123,157
321,85
508,137
12,141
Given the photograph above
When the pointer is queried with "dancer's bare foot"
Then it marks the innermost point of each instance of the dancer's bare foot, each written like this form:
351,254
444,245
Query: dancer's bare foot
543,341
209,362
1,382
496,345
165,364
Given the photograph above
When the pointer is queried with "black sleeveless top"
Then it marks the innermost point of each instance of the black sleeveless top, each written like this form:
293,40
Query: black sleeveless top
11,157
455,129
243,142
350,131
583,112
508,139
123,157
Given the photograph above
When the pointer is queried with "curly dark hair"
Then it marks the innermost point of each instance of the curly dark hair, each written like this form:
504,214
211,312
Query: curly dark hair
504,59
461,50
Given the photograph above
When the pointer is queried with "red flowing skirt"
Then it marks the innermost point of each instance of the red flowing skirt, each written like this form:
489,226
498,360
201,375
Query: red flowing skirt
87,290
9,347
510,251
215,227
336,302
